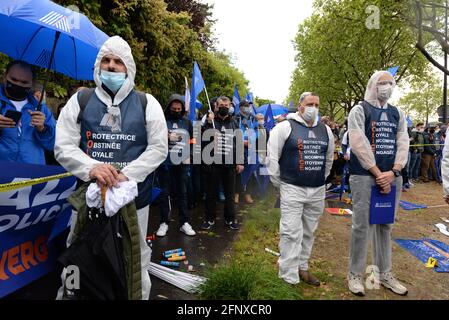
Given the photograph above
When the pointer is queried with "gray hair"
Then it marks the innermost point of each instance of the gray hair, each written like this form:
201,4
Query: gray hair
304,95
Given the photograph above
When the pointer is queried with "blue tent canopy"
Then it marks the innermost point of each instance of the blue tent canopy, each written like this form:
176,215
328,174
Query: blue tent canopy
276,108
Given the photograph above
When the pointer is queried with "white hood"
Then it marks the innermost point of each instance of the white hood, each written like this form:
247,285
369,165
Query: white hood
371,88
119,47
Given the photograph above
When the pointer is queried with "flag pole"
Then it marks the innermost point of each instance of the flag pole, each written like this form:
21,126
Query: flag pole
208,102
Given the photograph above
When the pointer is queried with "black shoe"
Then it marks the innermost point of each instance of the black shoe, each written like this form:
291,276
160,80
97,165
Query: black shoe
232,225
207,225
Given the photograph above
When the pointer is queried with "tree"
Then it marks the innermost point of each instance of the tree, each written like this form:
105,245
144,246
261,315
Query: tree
428,18
201,18
260,101
424,99
339,48
164,44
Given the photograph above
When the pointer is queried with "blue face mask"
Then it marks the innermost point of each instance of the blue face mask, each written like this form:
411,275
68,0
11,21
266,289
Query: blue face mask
112,80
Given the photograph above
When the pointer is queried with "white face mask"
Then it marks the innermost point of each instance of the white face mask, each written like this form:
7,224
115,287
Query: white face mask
261,122
310,113
384,92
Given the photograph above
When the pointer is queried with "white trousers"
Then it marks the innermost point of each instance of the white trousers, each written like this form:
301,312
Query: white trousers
299,220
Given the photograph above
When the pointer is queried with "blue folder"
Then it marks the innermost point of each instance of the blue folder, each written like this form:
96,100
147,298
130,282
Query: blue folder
382,206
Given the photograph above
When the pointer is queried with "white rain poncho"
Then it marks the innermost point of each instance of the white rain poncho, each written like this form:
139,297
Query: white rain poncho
360,144
68,136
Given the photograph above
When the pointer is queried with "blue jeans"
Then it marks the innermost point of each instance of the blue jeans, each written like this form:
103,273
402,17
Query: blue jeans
415,164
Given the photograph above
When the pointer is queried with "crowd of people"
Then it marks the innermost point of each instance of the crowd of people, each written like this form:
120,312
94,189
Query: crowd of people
424,159
112,134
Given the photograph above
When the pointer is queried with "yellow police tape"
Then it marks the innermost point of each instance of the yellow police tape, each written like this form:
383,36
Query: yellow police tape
22,184
425,145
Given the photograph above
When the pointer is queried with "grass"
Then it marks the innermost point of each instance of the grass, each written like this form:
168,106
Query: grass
248,272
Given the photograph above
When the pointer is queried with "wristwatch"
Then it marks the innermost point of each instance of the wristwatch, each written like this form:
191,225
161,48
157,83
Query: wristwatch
397,173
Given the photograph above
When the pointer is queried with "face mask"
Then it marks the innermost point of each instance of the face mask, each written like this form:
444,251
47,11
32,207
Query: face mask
310,114
384,92
246,111
17,93
231,110
261,122
112,80
223,111
176,115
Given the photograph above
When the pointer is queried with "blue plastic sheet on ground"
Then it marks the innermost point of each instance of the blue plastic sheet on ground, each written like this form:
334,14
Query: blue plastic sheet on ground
423,252
411,206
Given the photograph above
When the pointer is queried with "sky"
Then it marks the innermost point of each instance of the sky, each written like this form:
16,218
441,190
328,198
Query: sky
259,35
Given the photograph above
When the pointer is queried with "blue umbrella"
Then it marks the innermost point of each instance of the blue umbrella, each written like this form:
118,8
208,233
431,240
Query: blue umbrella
50,36
277,109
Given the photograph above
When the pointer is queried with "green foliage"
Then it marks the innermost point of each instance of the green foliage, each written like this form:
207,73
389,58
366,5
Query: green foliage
229,282
261,102
201,21
423,100
337,53
164,44
246,281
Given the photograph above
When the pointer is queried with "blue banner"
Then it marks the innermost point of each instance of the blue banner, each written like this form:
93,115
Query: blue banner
30,216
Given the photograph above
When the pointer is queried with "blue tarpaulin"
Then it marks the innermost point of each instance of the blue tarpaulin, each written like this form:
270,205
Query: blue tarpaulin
423,252
411,206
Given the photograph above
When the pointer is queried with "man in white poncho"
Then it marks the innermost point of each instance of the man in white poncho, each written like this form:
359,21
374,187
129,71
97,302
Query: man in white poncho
379,150
114,124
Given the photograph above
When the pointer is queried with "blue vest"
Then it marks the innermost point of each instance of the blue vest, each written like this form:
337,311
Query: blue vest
303,160
178,149
118,147
381,128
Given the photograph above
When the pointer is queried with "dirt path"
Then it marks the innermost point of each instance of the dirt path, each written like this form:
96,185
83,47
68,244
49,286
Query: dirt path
331,250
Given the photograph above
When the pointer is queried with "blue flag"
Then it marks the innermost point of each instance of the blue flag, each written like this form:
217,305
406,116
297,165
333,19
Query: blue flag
236,100
269,119
409,122
393,70
249,97
254,108
198,85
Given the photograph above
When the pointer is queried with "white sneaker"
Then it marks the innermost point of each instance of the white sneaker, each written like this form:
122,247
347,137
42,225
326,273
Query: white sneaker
355,284
389,281
187,229
162,231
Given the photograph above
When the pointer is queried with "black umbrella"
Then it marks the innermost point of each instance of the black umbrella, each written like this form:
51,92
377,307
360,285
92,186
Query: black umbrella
98,253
